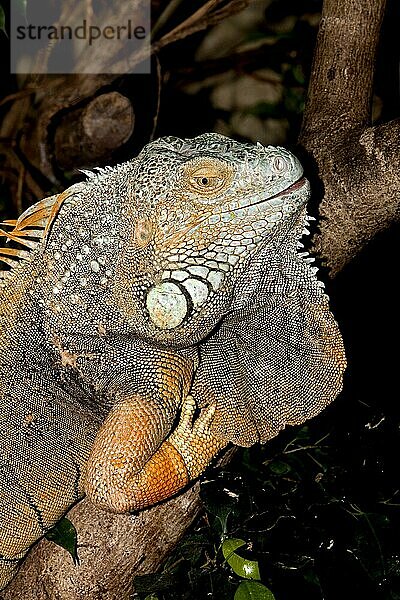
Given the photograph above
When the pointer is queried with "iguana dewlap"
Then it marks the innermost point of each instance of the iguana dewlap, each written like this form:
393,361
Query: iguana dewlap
155,313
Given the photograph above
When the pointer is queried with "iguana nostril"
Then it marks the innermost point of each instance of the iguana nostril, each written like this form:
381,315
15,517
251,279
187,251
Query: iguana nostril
278,164
167,305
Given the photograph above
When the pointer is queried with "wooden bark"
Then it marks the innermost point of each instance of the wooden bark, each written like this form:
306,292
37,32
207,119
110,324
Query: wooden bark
90,134
111,548
358,165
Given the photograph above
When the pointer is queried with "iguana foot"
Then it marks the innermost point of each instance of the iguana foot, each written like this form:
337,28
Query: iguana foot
193,440
119,481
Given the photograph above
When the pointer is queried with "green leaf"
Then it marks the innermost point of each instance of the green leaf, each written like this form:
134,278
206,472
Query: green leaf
298,74
253,590
243,567
64,534
192,547
151,597
20,7
2,20
153,583
218,502
279,467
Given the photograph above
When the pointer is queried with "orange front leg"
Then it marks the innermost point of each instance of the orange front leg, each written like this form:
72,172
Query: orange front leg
126,471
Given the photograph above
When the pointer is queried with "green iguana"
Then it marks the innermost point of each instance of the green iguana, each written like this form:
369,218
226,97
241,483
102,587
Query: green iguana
168,285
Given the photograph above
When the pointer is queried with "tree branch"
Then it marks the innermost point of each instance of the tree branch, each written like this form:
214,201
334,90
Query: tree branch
357,165
340,89
90,133
112,548
361,177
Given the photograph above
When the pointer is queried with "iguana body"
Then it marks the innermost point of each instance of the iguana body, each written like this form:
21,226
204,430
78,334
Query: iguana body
164,284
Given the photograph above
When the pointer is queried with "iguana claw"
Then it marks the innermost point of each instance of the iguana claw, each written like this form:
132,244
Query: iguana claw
194,440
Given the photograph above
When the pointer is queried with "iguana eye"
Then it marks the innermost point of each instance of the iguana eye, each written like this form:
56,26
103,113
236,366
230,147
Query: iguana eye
207,182
207,177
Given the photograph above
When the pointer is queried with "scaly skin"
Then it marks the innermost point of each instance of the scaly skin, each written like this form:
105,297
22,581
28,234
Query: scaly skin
117,480
160,312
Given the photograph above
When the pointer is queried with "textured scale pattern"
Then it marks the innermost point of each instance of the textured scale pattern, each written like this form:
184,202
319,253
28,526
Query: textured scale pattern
149,316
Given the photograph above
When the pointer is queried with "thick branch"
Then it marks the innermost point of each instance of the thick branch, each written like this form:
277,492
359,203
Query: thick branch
112,549
340,89
357,165
361,177
90,134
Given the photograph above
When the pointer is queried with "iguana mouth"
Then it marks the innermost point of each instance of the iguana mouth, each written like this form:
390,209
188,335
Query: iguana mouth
295,186
254,205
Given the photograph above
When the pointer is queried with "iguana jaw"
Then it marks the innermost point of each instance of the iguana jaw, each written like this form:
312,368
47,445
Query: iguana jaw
292,188
269,204
261,211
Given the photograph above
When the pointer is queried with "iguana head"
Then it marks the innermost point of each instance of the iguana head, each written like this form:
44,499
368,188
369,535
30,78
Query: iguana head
200,210
156,246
